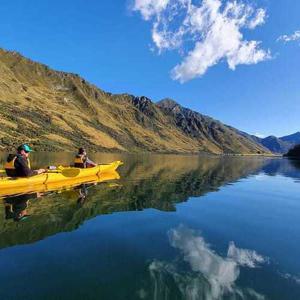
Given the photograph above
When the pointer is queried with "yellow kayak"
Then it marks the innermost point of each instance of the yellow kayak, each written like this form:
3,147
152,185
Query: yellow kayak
52,180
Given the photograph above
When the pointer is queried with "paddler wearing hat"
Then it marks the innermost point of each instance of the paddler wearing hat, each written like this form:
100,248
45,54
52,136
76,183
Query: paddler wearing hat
18,165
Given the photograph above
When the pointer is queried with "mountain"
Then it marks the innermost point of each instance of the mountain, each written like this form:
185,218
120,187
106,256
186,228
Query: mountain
278,145
293,138
275,144
201,127
57,111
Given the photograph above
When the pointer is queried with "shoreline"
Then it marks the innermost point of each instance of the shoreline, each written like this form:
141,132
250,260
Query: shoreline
271,155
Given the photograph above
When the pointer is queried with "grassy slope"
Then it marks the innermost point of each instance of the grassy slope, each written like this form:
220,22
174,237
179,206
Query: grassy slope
59,111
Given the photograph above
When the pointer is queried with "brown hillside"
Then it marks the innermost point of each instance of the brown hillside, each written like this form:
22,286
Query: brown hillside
60,111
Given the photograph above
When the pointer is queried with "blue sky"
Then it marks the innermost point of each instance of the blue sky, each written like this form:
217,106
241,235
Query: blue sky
111,45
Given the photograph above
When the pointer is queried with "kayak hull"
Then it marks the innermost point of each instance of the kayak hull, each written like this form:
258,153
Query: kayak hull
53,181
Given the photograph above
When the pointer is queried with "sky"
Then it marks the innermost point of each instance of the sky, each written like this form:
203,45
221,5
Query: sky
236,61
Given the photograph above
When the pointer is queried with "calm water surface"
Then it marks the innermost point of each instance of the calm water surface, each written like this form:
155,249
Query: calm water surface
173,227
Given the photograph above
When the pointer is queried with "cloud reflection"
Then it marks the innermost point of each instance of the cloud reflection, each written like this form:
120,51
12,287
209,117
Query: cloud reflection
208,275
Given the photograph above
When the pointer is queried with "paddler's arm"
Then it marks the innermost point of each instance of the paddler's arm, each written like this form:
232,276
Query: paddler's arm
23,169
90,163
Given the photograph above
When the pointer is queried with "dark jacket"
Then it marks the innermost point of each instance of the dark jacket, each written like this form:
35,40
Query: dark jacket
21,168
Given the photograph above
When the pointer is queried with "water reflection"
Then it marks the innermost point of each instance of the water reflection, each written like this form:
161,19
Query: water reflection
129,256
146,182
83,193
295,163
16,207
284,167
207,274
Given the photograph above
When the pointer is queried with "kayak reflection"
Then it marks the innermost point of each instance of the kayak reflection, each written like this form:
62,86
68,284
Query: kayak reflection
16,207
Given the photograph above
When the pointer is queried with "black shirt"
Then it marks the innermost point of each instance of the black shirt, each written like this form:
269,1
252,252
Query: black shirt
22,169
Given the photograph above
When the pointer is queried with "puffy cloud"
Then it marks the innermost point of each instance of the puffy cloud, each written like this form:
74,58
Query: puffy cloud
201,258
211,30
290,38
149,8
244,257
211,277
259,19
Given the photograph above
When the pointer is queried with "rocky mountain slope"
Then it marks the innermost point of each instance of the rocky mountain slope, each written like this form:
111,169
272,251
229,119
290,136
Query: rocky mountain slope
276,145
60,111
279,145
292,138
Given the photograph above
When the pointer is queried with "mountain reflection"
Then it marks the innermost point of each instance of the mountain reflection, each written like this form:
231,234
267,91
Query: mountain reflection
208,275
146,182
284,167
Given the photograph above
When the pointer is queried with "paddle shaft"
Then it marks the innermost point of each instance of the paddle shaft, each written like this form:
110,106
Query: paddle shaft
67,172
48,171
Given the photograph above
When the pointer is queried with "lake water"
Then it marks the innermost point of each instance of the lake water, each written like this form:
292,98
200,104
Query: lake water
172,227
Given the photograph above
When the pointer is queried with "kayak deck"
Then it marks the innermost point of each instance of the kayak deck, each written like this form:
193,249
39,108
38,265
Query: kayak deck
12,186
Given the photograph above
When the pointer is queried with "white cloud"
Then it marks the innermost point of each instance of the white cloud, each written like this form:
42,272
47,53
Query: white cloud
290,38
259,19
149,8
211,30
220,272
244,257
211,277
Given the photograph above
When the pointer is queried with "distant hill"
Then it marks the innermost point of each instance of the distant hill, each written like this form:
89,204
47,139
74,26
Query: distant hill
293,138
279,145
276,145
60,111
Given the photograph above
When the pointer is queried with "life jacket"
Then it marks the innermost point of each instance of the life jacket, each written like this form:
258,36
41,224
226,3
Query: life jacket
10,165
79,161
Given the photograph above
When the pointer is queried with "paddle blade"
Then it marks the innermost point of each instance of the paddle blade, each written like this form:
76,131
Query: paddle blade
67,172
70,172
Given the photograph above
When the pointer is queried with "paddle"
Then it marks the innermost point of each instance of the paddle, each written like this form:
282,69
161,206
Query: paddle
67,172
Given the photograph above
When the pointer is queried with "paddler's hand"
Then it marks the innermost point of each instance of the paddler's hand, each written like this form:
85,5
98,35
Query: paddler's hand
40,171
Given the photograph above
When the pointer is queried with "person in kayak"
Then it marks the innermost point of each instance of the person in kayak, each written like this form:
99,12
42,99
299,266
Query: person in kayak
18,165
82,160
